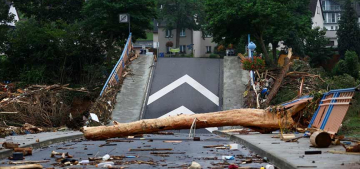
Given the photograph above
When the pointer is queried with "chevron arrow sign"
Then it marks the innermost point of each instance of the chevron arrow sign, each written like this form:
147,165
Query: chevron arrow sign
185,79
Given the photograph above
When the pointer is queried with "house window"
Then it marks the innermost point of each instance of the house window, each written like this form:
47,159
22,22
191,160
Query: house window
333,18
318,10
168,33
332,28
182,48
182,32
208,49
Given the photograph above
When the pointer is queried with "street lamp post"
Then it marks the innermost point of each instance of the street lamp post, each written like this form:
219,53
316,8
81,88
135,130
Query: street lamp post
251,47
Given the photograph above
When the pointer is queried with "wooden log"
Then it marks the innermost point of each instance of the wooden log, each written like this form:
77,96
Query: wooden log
29,166
320,139
25,151
279,79
257,118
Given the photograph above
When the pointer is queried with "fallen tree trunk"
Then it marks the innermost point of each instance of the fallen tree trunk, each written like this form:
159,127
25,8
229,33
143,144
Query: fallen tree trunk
257,118
279,79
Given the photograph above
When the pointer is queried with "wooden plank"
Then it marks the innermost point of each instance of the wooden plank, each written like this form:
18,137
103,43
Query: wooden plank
335,104
8,112
339,98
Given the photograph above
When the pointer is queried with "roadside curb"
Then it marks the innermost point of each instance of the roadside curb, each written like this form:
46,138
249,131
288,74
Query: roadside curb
43,143
277,161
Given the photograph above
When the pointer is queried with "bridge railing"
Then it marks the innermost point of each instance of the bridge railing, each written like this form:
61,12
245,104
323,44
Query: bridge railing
115,75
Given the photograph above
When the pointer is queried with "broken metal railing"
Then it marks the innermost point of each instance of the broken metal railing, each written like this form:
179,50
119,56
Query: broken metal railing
115,74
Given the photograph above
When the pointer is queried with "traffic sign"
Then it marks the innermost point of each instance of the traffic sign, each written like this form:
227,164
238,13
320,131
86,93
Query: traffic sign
124,18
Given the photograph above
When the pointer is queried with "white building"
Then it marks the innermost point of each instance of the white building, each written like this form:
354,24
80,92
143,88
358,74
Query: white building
332,15
191,41
317,16
12,11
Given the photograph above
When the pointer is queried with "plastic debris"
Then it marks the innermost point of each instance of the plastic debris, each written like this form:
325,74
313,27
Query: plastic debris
269,166
106,157
195,165
228,157
106,164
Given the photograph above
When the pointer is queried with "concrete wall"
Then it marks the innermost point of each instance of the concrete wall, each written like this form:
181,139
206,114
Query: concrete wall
318,20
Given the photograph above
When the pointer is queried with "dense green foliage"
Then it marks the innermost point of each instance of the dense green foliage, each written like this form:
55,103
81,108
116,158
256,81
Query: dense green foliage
350,65
70,41
349,31
315,47
101,17
51,10
5,18
269,20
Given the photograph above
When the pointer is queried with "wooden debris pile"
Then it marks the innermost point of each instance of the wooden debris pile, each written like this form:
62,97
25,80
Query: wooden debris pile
39,105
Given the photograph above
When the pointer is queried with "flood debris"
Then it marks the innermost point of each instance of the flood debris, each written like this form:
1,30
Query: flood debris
262,119
152,149
26,151
29,166
167,153
10,145
28,162
355,148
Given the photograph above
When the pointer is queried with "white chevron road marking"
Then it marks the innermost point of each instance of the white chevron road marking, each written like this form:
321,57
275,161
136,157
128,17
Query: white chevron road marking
184,110
185,79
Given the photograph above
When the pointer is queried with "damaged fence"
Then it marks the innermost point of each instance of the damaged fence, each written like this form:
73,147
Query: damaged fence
114,77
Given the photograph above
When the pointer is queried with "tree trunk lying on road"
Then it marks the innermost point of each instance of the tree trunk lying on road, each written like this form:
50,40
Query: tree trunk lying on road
264,120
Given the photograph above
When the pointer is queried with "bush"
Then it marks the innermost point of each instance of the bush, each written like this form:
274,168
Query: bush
348,66
341,82
256,64
213,55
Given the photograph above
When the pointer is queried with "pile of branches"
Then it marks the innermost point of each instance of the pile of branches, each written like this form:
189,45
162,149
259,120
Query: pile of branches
300,78
39,105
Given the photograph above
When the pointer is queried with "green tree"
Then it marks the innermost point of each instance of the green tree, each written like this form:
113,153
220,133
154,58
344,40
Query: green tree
50,10
350,65
316,47
349,31
181,14
5,18
298,26
55,52
232,19
101,18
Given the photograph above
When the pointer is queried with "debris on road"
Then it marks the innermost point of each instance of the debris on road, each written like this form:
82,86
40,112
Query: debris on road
10,145
29,166
26,151
263,120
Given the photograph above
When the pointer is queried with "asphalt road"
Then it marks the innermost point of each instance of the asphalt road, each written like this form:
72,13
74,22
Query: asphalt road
192,151
185,85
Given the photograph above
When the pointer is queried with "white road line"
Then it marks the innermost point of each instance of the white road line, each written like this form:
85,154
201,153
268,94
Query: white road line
184,110
185,79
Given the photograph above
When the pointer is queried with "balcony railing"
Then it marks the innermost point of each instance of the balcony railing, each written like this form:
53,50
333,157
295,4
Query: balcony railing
331,8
